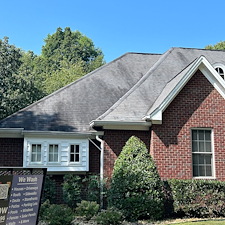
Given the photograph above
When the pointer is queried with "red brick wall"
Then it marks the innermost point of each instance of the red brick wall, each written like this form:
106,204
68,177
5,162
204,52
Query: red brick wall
94,157
114,142
11,152
198,105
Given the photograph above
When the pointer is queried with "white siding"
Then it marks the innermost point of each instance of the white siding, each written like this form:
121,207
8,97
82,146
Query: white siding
64,163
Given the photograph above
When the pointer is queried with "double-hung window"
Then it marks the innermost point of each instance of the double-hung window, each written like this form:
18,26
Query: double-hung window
53,153
202,153
35,153
74,153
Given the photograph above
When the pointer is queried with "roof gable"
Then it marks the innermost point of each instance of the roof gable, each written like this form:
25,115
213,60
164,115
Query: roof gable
173,87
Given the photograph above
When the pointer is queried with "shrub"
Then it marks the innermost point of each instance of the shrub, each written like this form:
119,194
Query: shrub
136,188
87,209
49,191
198,198
109,217
91,185
72,190
56,214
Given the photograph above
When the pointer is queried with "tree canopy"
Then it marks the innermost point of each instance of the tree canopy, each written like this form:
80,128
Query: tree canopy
219,46
25,77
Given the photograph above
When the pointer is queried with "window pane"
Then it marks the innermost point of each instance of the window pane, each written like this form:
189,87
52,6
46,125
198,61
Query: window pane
201,146
201,159
208,159
195,146
201,134
33,158
195,159
208,135
50,157
208,146
71,148
38,157
195,171
194,135
201,171
77,148
71,157
50,148
208,171
77,158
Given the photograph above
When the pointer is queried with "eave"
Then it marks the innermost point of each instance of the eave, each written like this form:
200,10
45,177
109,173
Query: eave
121,125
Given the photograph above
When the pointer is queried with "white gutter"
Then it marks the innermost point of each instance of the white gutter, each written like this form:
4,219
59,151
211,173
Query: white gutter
101,169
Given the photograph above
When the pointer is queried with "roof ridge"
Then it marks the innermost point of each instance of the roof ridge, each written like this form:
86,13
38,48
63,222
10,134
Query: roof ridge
116,104
202,49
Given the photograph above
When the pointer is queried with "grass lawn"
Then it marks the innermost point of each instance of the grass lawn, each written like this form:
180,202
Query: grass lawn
216,221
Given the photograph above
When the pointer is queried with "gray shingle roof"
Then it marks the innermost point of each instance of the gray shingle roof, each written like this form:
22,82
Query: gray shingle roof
73,107
137,102
126,89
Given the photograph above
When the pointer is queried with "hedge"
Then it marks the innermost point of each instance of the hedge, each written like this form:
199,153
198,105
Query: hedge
195,198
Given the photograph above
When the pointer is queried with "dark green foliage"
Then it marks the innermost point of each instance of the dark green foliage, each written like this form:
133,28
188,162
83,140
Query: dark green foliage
56,214
49,190
87,209
109,217
72,190
91,184
198,198
136,188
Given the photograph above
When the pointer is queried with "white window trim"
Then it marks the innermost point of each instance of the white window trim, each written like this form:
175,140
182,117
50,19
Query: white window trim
220,65
30,153
59,154
80,154
213,155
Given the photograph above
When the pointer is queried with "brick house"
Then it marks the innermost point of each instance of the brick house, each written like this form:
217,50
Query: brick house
174,102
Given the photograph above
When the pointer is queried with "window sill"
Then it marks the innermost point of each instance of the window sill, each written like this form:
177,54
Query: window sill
204,178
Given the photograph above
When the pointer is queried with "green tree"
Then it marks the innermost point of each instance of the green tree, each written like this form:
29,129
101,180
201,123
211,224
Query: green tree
66,56
219,46
136,188
10,61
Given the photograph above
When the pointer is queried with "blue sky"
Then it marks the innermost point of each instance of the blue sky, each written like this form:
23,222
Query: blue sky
116,26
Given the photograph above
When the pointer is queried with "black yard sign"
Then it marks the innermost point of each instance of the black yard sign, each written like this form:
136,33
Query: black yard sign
20,197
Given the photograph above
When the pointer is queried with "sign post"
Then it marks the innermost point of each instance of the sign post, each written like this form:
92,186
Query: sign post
20,196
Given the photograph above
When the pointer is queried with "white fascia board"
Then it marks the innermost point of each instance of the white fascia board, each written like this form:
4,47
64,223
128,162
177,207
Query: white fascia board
209,72
122,125
57,134
11,132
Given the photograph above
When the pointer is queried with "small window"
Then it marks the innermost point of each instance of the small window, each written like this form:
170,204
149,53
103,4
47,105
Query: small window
74,153
220,71
36,153
53,153
202,155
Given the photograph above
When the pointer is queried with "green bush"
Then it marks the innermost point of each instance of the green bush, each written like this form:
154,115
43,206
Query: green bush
198,198
136,188
49,191
109,217
91,185
72,187
56,214
87,209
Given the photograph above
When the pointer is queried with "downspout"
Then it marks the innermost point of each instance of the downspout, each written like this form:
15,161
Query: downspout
101,149
101,169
